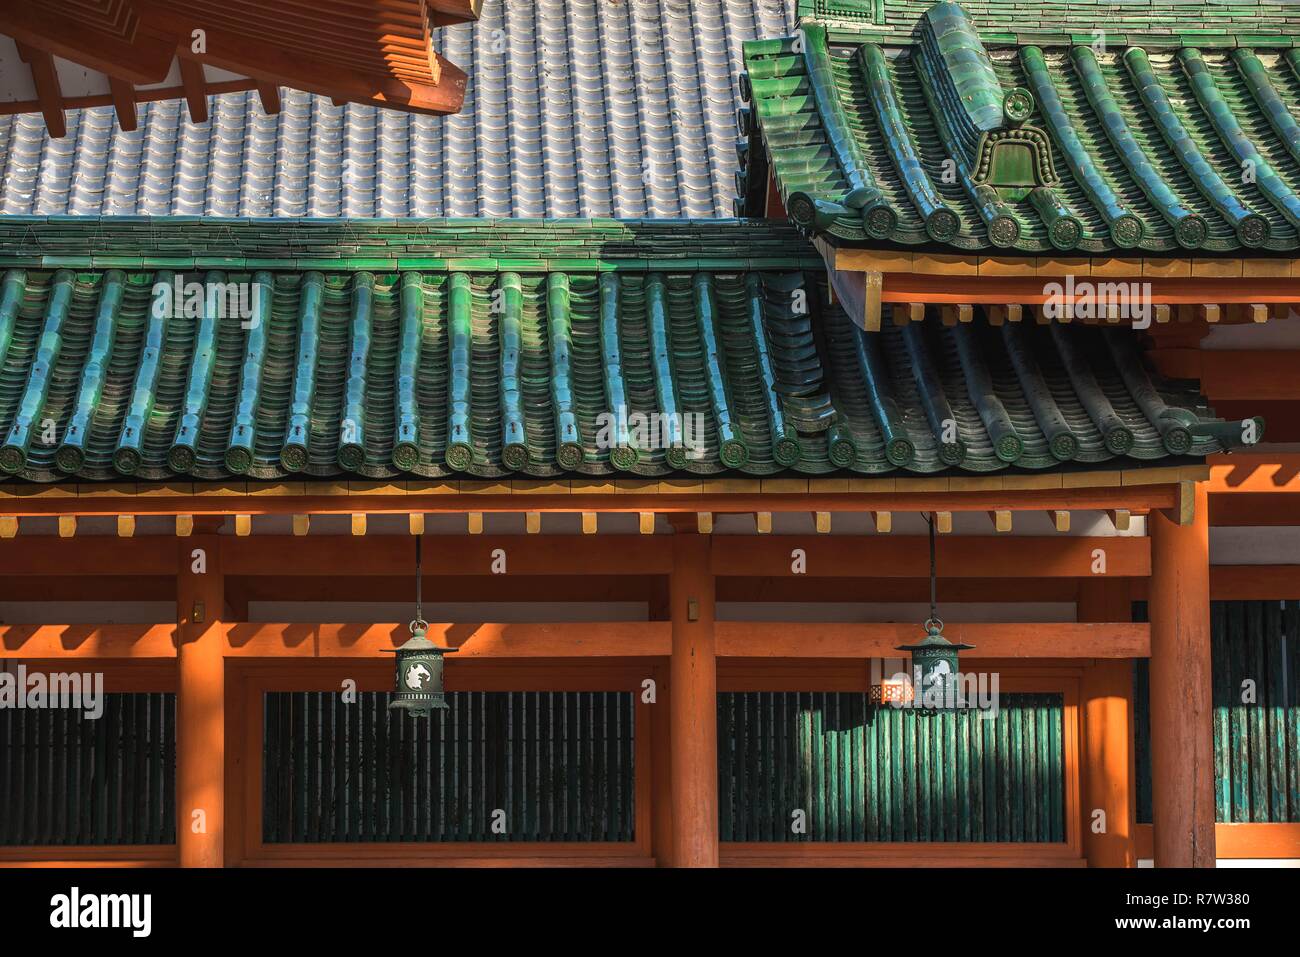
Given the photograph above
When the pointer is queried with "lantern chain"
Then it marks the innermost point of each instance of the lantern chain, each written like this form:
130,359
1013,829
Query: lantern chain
419,582
934,603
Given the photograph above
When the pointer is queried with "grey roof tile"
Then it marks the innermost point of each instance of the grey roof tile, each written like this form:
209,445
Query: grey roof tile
590,108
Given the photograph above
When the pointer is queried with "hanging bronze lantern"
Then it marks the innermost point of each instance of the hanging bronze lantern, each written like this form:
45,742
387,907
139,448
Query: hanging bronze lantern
934,665
419,687
419,674
934,658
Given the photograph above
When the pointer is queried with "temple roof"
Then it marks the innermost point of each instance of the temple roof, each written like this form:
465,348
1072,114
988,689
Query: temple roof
947,137
492,348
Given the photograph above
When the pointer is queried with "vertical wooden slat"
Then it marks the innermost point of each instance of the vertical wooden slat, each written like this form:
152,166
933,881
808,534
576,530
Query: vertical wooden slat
1273,645
68,780
559,764
1291,631
1001,779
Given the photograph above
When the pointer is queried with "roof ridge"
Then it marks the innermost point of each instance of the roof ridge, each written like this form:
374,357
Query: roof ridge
1170,22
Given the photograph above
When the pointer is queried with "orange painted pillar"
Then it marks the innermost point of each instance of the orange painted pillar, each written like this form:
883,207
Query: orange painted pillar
1182,756
693,704
1109,803
200,703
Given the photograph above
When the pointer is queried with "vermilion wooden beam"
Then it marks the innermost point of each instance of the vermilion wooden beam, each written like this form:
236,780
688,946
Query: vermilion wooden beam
1030,290
1255,508
502,555
1250,472
1257,841
1226,375
826,556
1254,582
908,556
636,639
88,641
437,588
88,555
1136,498
862,640
88,588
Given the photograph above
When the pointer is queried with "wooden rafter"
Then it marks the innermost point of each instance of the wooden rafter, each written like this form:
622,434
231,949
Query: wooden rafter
46,81
196,94
269,95
123,103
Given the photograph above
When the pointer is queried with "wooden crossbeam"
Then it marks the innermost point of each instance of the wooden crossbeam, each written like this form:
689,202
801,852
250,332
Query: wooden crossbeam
635,639
907,556
889,556
623,639
1139,490
88,641
859,640
390,555
1254,473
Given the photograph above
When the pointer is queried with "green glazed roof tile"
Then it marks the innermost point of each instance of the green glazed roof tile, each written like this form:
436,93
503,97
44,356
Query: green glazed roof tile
704,365
938,135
